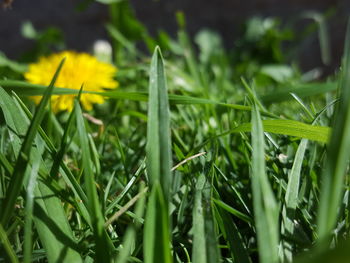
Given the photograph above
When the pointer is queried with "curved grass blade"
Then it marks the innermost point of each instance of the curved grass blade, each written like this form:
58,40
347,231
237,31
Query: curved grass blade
59,164
282,127
54,233
16,182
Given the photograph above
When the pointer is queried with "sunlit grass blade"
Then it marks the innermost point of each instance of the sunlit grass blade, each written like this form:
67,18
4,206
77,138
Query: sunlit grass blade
338,154
291,200
158,127
264,203
282,127
103,245
205,249
28,89
158,154
16,182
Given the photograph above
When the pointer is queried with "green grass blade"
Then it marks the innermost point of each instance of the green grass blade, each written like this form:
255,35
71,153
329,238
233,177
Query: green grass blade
239,252
291,199
205,248
156,232
103,251
232,211
15,185
28,242
264,203
58,163
7,246
282,127
158,153
158,128
199,251
129,238
29,89
338,154
54,233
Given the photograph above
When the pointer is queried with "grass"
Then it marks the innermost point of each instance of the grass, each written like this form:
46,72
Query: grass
186,162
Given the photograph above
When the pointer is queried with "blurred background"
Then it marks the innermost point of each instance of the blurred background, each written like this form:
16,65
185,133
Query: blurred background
77,24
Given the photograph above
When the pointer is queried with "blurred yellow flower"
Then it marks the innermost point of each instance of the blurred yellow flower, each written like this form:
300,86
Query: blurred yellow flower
78,69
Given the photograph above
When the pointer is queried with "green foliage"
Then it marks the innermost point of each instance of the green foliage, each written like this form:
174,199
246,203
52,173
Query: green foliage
261,167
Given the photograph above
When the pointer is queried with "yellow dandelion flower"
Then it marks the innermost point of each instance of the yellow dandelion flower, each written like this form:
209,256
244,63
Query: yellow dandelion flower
78,69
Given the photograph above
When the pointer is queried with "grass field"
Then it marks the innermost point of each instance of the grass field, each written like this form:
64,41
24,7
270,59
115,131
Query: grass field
200,155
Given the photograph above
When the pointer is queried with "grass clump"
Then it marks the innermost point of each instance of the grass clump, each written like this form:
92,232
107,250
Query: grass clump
185,162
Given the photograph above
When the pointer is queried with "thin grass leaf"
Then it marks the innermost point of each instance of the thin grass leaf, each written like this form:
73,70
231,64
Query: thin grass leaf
28,242
291,200
29,89
129,237
233,211
199,251
127,187
205,247
283,127
103,244
238,250
264,203
11,254
158,128
156,232
158,153
118,36
338,154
